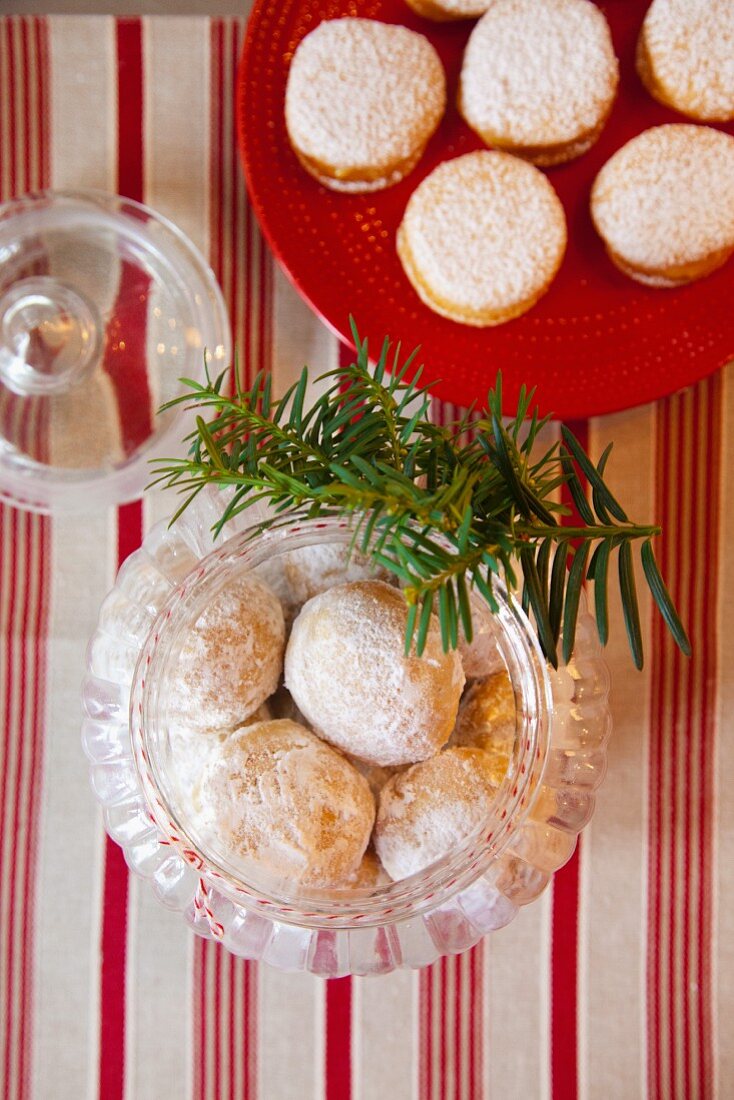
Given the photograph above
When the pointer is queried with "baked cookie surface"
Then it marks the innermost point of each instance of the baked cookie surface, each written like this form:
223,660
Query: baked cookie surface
482,238
539,78
685,57
362,100
664,204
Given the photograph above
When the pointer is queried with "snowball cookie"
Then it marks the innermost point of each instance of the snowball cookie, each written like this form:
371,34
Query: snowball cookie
480,657
685,57
443,10
369,874
191,751
346,668
539,78
487,718
231,659
361,102
425,812
376,775
280,797
482,238
664,204
312,569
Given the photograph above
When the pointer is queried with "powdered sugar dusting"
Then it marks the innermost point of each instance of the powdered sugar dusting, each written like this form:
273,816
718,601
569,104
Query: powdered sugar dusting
429,809
363,95
312,569
485,232
666,198
346,670
231,659
689,46
281,798
538,73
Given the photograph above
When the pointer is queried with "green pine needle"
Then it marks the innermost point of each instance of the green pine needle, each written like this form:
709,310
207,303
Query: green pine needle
446,509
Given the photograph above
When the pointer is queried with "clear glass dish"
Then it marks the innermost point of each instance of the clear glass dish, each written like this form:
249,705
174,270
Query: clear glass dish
104,305
557,761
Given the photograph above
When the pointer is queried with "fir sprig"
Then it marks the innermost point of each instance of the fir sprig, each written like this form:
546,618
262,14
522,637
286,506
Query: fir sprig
444,513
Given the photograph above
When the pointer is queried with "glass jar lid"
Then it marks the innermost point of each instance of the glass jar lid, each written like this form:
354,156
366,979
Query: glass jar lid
104,305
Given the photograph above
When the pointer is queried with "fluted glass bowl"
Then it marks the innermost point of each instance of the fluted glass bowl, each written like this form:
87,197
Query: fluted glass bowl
547,796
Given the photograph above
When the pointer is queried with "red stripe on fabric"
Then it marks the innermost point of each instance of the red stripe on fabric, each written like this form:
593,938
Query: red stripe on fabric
710,661
476,1025
125,352
338,1070
11,731
456,965
689,745
424,1034
251,1049
564,933
443,1084
22,856
12,108
113,953
655,864
230,1044
218,962
123,356
199,1030
37,739
25,64
130,158
41,36
682,733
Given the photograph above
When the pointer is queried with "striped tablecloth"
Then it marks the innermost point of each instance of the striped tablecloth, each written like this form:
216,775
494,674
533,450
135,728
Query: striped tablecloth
618,983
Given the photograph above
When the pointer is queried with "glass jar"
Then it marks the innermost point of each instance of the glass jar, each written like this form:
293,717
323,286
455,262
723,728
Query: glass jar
557,760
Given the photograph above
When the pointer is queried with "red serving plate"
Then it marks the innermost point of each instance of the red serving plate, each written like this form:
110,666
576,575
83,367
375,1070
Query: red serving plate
597,341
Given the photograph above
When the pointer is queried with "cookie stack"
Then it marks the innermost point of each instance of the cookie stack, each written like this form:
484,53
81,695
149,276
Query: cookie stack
484,235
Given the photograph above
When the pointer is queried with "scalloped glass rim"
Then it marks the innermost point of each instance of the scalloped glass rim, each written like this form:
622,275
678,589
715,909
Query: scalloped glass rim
321,908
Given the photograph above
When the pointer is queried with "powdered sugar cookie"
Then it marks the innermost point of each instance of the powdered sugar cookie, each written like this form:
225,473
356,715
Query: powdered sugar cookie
347,671
539,78
362,100
482,238
664,204
685,57
425,812
231,659
279,796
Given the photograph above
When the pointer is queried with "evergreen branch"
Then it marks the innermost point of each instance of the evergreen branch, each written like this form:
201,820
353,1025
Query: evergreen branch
446,509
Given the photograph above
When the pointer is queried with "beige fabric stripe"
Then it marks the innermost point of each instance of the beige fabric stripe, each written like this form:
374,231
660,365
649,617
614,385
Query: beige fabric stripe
615,848
176,119
83,155
723,938
516,973
300,339
66,1001
383,1056
289,1016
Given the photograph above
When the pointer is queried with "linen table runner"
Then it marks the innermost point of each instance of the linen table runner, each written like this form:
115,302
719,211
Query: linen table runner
617,983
